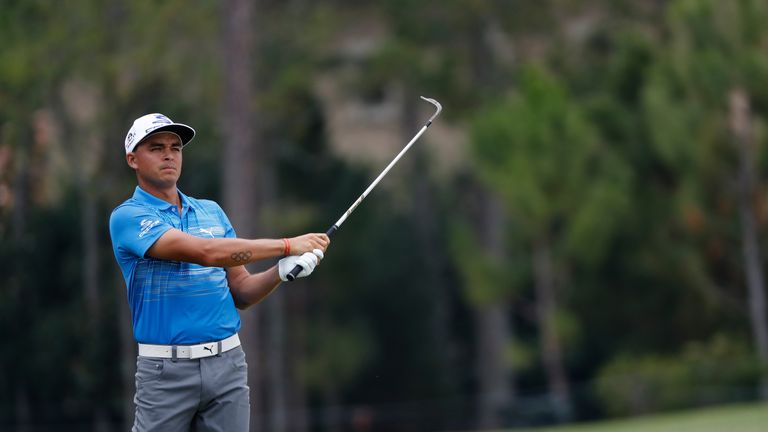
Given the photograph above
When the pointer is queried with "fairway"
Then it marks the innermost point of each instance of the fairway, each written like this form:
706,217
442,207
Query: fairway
735,418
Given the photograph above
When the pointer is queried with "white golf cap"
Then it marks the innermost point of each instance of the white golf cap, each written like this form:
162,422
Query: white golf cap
149,124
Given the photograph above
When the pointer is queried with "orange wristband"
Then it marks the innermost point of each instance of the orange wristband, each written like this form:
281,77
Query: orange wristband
286,247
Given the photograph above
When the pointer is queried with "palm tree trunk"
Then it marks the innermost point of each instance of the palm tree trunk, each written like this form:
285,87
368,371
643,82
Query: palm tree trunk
275,381
432,276
494,330
21,402
551,346
240,165
741,129
90,269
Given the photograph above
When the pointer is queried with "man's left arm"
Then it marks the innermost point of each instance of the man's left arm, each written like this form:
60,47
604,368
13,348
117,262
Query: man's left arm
248,289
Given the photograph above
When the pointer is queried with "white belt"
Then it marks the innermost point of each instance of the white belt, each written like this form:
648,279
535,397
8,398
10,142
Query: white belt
207,349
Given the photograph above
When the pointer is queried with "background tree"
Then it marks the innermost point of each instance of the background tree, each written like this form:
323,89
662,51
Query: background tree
579,177
710,69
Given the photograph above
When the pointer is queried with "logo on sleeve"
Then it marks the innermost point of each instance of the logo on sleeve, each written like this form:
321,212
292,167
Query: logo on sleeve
146,225
213,231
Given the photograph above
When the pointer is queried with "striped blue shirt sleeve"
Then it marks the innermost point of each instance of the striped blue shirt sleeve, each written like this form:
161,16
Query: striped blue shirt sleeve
134,229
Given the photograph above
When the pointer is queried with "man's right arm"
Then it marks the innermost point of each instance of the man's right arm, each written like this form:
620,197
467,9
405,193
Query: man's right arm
175,245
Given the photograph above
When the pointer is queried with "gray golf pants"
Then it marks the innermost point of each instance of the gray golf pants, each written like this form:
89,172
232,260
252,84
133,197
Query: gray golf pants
205,394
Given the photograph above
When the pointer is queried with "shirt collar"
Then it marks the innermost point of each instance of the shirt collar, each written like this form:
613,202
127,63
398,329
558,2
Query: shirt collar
146,198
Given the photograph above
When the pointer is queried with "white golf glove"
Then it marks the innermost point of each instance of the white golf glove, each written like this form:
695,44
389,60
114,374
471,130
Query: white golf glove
308,261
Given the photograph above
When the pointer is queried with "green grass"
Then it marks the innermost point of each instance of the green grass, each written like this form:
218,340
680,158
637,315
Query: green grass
732,418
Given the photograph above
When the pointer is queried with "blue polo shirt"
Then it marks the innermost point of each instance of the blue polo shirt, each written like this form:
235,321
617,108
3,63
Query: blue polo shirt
172,302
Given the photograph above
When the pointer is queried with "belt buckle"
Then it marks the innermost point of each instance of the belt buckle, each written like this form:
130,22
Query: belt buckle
203,350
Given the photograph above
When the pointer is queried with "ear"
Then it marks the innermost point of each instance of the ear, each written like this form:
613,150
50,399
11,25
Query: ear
131,159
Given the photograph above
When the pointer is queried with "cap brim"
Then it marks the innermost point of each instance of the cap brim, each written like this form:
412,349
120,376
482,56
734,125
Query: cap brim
184,132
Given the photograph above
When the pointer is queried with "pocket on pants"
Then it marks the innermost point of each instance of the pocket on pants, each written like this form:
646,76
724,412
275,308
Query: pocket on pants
149,369
237,358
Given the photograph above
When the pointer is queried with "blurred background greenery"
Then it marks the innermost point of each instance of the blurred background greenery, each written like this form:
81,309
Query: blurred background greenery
579,236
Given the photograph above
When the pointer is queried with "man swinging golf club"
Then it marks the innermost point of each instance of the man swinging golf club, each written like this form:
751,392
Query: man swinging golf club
184,271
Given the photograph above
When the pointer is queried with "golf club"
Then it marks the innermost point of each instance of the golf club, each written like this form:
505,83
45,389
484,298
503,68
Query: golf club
296,270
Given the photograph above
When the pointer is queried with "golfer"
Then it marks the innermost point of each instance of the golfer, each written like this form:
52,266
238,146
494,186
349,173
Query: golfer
184,270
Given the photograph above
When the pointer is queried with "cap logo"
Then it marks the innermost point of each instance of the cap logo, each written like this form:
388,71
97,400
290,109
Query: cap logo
159,118
129,139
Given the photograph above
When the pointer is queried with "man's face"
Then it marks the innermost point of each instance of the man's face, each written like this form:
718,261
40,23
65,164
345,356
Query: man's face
157,159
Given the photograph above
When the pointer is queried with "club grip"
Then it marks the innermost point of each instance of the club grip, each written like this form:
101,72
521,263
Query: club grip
297,268
293,273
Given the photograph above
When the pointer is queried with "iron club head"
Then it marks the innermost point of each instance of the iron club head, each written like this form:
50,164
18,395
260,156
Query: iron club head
437,106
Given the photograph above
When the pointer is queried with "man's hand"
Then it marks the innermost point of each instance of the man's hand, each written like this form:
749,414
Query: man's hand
308,261
308,243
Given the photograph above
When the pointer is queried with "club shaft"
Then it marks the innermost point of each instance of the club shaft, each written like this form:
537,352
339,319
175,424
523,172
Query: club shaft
297,269
378,179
